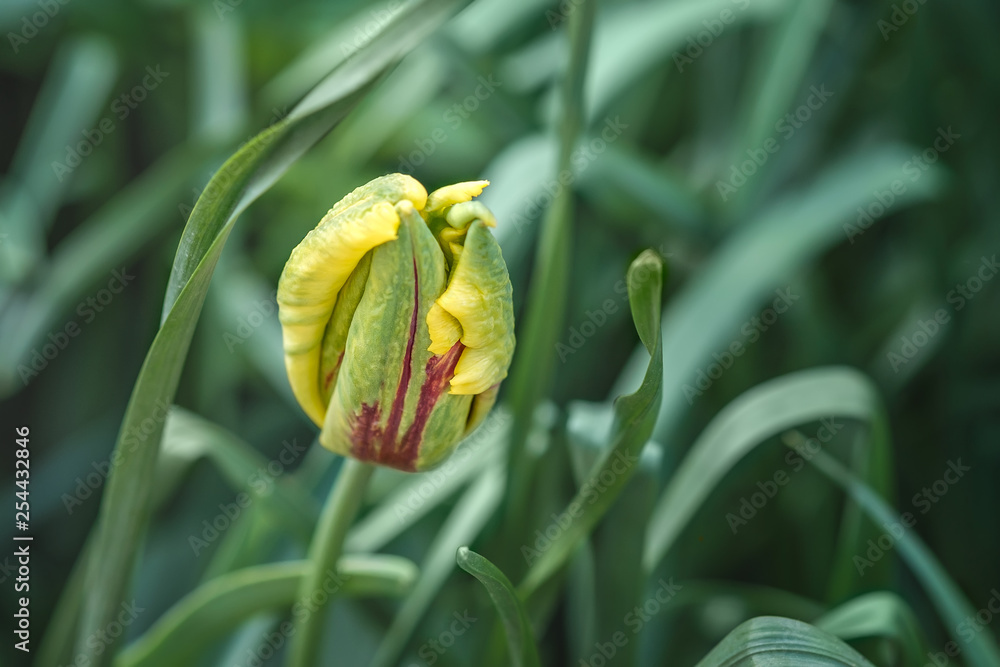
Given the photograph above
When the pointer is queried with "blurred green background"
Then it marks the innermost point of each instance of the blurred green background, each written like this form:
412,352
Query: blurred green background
819,175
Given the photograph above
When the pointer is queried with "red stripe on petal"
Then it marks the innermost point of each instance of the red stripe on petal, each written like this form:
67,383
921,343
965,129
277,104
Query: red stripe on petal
365,431
440,370
396,413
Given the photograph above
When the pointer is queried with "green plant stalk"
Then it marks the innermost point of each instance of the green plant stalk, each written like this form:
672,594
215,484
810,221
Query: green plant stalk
531,378
324,552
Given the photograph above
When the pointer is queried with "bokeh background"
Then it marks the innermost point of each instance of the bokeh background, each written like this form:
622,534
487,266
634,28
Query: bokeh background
819,175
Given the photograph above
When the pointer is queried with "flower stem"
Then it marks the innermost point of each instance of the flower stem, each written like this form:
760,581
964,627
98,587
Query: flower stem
338,513
534,365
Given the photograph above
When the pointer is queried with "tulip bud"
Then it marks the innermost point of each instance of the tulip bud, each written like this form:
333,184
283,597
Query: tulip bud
397,321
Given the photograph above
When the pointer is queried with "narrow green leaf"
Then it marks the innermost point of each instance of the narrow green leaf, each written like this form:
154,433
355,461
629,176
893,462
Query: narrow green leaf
244,177
520,639
219,606
634,418
770,640
755,416
981,650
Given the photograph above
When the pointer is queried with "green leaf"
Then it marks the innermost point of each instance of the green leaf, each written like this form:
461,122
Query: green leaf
952,607
244,177
634,418
755,416
207,614
775,641
878,614
520,639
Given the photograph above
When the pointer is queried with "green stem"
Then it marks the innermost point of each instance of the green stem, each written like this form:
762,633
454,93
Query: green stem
532,374
324,552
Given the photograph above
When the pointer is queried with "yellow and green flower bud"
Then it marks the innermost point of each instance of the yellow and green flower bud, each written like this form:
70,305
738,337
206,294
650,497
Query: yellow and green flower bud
397,321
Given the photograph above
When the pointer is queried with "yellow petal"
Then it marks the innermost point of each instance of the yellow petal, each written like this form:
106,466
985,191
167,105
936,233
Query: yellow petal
320,265
453,194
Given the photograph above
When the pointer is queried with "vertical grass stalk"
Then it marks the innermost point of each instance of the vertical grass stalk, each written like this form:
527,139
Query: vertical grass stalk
533,366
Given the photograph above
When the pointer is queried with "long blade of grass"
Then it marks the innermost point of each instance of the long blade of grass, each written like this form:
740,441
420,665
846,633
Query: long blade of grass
980,649
757,415
534,365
